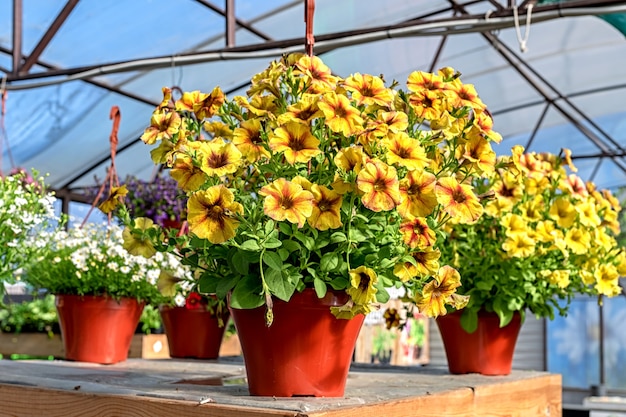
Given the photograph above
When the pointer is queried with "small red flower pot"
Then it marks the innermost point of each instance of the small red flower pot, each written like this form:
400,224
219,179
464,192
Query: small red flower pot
193,332
97,329
487,351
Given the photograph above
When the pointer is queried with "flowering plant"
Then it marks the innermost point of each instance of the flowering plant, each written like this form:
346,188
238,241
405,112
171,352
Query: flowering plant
92,261
318,181
26,208
545,236
159,199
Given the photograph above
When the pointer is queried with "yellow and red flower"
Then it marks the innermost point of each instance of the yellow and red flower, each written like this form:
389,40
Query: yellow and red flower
458,200
285,200
380,186
212,214
296,141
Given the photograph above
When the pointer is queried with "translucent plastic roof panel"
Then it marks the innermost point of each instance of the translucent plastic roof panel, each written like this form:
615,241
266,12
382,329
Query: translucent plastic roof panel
569,79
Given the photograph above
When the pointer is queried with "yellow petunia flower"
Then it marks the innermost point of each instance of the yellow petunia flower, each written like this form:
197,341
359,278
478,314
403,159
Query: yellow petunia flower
304,111
218,158
587,214
479,152
189,176
115,198
577,240
607,280
368,90
519,245
438,292
296,141
426,264
418,194
405,151
286,200
563,212
427,105
247,138
212,214
416,234
419,81
458,200
318,75
137,240
340,116
362,288
163,125
380,186
326,208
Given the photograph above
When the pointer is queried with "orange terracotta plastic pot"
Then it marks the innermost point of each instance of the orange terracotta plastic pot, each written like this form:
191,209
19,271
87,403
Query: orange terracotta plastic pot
305,352
192,333
97,329
487,351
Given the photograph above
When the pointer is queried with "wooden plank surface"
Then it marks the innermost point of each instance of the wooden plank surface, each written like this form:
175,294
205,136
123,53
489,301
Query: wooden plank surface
167,387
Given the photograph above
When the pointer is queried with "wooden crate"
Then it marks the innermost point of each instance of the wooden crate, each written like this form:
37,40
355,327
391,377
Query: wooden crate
150,346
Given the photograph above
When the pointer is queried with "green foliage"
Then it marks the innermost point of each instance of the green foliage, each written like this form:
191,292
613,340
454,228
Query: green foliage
150,320
545,237
92,261
38,315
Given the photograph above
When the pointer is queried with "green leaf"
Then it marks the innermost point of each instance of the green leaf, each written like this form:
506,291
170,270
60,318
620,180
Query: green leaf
272,243
382,296
225,285
283,253
386,263
248,293
240,263
321,242
320,287
329,261
272,259
285,228
357,236
338,237
291,245
269,226
279,286
307,241
251,245
469,320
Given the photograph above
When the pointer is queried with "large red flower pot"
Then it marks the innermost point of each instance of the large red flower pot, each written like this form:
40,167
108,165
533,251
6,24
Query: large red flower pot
193,332
305,352
96,328
488,350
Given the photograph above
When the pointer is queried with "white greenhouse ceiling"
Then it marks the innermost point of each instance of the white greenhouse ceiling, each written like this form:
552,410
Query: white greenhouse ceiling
65,63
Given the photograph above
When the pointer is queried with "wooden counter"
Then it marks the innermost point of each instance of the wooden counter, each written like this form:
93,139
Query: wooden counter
167,387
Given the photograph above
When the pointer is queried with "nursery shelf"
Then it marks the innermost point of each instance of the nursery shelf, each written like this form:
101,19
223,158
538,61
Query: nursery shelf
141,387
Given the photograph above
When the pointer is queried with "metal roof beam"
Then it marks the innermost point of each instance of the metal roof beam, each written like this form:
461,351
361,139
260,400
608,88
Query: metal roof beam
18,15
437,27
240,22
47,37
508,55
97,83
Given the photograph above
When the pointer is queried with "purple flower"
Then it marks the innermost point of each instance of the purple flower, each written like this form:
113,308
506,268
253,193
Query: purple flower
159,200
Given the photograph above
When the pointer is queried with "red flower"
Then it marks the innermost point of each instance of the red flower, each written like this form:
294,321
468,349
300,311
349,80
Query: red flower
194,300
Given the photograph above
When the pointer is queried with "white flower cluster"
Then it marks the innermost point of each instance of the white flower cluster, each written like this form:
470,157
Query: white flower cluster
99,247
25,212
